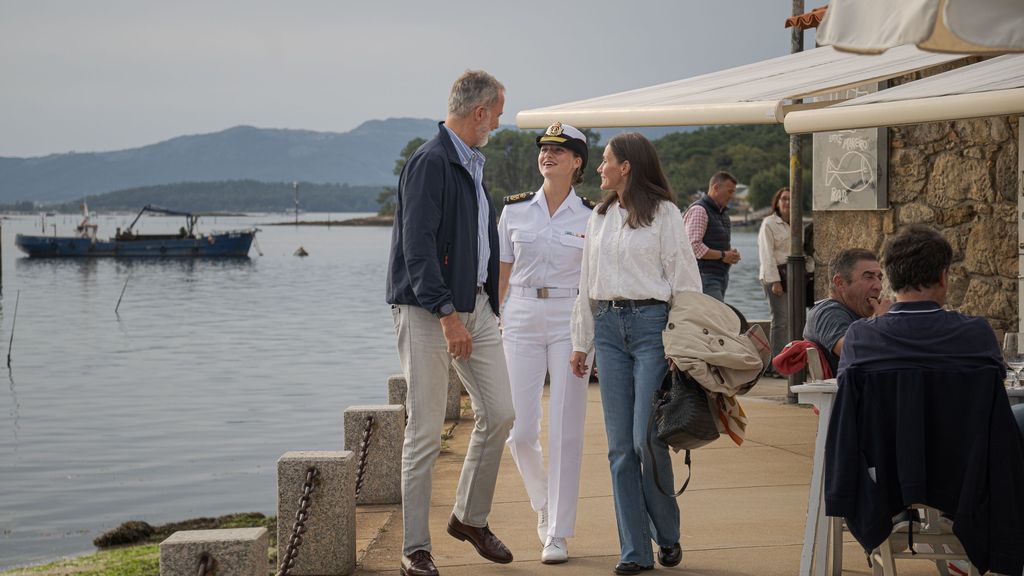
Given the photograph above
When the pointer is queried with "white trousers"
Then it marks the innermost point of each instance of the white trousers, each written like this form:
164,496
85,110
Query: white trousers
537,342
423,352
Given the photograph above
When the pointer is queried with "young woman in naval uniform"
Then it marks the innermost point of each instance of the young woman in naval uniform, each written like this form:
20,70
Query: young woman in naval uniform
541,235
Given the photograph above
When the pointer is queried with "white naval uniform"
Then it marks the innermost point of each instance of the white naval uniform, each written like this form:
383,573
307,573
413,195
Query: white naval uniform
545,252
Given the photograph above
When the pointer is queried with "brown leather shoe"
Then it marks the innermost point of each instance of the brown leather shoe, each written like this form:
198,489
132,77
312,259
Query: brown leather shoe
419,563
485,542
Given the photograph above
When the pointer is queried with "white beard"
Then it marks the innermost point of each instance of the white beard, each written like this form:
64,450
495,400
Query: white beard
484,139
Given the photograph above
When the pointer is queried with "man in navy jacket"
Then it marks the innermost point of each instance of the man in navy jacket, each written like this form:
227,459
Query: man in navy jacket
442,287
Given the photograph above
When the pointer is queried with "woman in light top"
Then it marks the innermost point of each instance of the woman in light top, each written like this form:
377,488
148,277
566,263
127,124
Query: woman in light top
635,259
541,238
773,243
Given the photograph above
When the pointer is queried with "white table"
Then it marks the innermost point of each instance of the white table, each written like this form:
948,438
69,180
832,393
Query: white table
816,551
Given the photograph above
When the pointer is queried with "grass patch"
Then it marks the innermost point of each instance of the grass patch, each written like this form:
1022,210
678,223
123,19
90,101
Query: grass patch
130,561
138,553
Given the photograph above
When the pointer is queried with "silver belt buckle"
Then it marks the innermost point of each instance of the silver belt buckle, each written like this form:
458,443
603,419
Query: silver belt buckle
542,292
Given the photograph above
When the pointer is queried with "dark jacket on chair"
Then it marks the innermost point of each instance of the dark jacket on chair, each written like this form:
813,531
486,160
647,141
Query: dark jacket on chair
935,437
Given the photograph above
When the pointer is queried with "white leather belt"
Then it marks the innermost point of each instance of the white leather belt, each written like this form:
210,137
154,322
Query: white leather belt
544,292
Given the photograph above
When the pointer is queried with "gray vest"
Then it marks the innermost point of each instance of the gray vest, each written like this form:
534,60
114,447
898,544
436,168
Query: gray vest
718,236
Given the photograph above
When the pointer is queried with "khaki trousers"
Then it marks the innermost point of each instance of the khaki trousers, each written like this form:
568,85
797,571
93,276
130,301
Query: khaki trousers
423,352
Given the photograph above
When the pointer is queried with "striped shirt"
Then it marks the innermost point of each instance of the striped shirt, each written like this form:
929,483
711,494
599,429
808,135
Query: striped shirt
473,160
696,223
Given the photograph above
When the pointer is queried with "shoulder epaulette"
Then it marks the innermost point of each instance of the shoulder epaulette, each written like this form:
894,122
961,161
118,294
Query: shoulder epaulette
588,202
521,197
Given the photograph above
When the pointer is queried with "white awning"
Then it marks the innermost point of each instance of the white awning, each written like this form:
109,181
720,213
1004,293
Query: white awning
759,93
958,26
993,87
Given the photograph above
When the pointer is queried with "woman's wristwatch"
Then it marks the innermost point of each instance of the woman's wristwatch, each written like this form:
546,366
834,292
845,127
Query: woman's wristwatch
722,257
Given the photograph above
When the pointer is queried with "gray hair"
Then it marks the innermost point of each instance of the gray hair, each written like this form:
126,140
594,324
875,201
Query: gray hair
474,88
845,261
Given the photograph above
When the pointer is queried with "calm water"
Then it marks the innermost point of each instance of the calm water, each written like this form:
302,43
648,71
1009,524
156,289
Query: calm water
180,406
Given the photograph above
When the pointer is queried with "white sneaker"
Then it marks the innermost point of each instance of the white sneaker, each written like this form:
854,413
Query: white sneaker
555,551
542,525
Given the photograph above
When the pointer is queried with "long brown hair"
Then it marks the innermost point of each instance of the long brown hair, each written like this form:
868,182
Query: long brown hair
776,198
646,186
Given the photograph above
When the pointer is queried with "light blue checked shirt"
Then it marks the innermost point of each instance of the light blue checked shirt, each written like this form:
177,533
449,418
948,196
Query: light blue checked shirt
474,160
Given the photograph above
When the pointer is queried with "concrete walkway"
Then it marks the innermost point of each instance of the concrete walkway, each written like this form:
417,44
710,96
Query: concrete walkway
743,513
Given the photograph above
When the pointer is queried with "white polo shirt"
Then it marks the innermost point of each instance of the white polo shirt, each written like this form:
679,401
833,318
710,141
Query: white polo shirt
546,250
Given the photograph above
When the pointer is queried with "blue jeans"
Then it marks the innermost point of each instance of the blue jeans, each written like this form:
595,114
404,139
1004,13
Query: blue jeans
715,284
631,364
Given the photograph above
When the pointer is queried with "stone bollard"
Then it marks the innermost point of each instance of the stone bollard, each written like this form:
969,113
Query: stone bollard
453,409
234,551
382,478
396,389
329,543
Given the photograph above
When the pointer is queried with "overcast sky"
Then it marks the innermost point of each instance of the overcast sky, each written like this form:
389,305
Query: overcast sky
103,75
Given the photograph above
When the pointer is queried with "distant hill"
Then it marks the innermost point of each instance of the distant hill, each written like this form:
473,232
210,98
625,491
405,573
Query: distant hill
364,156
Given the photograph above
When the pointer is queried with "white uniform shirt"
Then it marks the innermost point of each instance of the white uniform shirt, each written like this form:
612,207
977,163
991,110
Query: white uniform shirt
622,263
547,250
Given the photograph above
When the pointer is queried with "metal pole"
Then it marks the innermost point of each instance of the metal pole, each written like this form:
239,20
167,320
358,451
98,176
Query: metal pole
795,263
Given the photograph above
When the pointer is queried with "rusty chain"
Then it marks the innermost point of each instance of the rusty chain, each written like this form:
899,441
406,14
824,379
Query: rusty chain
364,446
299,527
207,565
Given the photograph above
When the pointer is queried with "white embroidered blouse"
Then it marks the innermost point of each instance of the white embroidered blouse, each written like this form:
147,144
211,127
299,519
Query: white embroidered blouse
622,263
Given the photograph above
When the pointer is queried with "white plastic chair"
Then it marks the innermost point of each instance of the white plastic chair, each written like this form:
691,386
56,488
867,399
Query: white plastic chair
933,540
814,373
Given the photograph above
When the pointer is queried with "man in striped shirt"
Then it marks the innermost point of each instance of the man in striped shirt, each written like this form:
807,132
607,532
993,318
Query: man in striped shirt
710,234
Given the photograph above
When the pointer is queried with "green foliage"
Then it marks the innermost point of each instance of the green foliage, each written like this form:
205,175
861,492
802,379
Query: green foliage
765,183
756,155
389,195
387,199
129,532
511,164
406,153
24,206
237,196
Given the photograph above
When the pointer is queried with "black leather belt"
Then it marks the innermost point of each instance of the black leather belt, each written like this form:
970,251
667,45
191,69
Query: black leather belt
481,289
634,303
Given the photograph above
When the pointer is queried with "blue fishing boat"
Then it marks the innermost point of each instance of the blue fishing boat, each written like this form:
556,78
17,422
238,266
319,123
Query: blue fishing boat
187,242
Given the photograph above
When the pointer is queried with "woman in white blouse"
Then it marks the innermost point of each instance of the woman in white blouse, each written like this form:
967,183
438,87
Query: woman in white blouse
541,238
636,257
773,243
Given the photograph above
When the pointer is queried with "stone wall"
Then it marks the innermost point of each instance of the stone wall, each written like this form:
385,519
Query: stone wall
962,178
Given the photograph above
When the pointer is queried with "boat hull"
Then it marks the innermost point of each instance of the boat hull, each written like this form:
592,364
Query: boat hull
234,244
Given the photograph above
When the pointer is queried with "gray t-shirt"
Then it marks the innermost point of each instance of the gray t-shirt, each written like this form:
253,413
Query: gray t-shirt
826,323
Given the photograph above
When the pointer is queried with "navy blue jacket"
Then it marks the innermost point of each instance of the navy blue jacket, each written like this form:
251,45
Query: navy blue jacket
433,257
938,437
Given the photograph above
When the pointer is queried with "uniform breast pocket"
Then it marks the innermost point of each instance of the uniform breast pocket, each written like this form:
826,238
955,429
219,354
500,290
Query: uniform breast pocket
522,237
523,243
571,241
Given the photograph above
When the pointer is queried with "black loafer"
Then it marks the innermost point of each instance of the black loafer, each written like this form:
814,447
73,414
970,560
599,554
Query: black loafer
626,568
669,556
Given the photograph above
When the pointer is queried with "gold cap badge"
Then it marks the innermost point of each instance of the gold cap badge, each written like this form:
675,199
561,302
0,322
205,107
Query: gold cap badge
554,130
